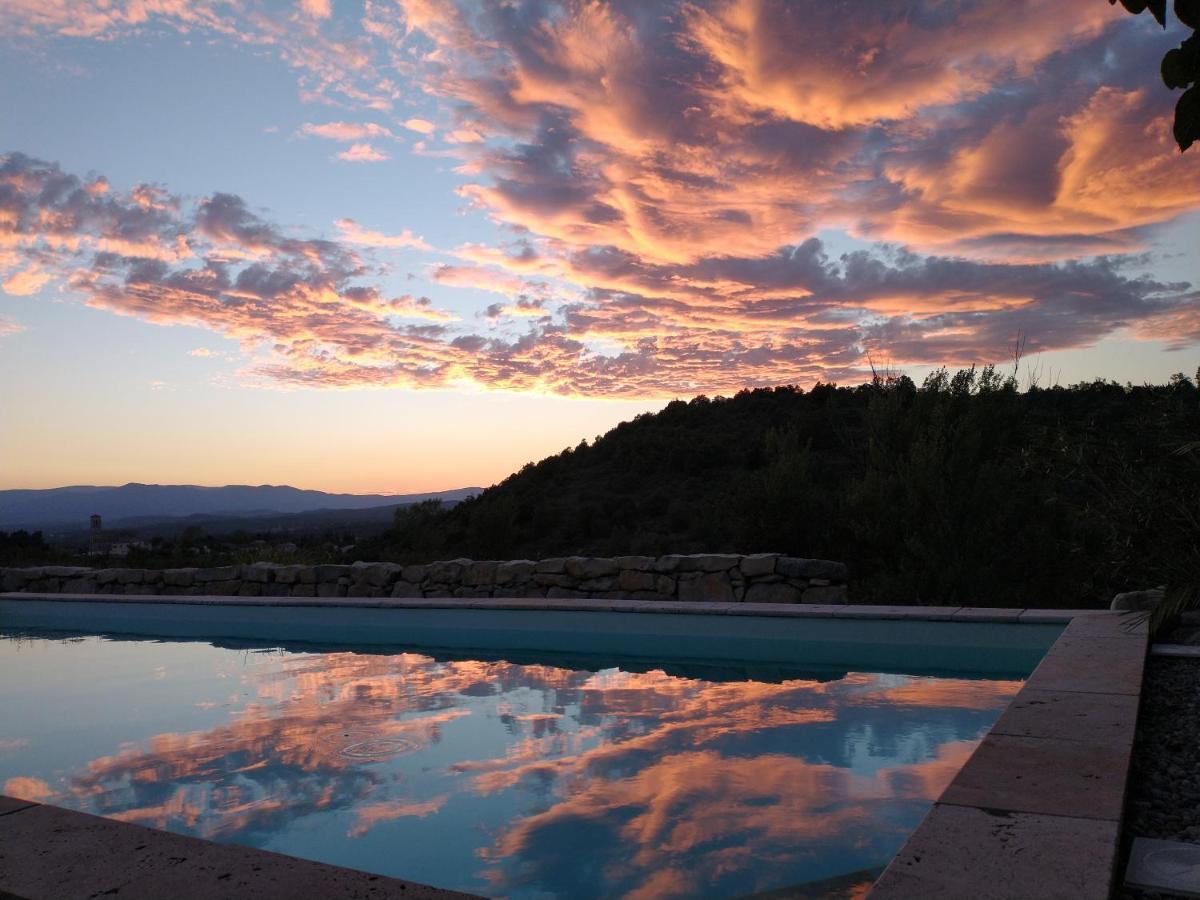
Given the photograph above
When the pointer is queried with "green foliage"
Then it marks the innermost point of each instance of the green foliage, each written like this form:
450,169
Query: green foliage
1180,68
965,490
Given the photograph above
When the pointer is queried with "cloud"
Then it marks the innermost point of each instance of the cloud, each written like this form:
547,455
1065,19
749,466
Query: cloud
345,131
8,328
595,321
26,281
317,9
658,182
202,352
362,153
353,233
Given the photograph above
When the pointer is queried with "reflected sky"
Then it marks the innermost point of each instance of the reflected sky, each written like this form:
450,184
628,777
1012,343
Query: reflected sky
505,779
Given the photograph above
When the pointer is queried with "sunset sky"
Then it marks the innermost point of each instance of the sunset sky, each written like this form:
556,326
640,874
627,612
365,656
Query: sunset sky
408,245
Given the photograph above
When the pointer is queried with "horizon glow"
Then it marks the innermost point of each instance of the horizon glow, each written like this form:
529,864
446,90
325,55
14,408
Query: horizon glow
399,246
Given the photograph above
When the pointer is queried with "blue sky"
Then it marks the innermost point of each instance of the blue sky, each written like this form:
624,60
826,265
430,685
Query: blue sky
563,214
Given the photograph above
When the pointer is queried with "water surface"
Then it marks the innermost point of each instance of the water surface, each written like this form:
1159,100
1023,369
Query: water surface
524,779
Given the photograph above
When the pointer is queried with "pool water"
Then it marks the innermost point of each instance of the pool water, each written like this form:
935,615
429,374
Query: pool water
560,778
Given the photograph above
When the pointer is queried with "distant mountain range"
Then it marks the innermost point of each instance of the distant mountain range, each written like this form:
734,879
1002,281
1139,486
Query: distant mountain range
70,507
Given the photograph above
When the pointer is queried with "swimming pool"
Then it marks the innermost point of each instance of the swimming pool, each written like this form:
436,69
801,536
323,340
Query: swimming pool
524,772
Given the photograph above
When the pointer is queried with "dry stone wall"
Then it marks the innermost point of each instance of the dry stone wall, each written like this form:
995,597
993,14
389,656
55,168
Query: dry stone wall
729,578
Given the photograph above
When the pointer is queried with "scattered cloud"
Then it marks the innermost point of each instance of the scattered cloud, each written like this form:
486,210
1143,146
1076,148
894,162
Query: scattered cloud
362,153
345,131
202,352
8,328
421,126
353,233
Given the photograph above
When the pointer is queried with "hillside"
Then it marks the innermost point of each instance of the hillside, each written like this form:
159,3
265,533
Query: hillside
70,507
964,490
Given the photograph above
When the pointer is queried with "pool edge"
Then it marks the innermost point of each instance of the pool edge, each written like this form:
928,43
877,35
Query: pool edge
48,851
1037,809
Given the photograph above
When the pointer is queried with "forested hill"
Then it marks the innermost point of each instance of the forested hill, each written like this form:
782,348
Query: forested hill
964,490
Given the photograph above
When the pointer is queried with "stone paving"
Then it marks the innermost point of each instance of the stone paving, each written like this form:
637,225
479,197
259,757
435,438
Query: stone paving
1036,811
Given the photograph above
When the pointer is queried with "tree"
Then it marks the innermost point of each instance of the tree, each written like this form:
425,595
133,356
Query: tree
1180,67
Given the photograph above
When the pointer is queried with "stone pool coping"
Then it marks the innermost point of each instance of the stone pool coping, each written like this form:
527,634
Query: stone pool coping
47,851
788,610
1035,812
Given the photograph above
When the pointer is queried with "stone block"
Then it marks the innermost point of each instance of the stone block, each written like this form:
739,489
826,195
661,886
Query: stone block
258,572
250,589
79,585
711,587
276,589
665,585
179,577
414,574
708,562
830,593
1070,715
218,573
562,593
13,580
555,565
516,570
330,573
669,563
307,575
303,590
635,563
406,589
794,567
961,852
65,571
106,576
130,576
595,585
482,572
330,589
1043,775
381,575
585,567
636,580
758,564
472,591
779,592
288,574
222,588
448,571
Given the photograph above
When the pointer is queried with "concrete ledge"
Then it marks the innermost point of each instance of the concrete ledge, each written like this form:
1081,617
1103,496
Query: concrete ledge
788,610
1036,811
50,852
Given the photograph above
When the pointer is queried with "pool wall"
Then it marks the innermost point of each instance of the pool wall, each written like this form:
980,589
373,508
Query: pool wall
954,641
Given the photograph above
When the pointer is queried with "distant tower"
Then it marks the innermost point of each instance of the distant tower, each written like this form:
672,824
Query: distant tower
97,527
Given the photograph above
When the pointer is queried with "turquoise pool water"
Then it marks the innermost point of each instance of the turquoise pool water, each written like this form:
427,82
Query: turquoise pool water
564,777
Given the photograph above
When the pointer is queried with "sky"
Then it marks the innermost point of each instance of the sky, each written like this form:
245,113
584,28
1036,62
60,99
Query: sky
410,245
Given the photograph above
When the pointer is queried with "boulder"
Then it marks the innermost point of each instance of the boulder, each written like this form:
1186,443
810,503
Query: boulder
480,573
288,574
793,567
636,563
589,567
555,565
634,580
1138,600
179,577
711,587
406,589
709,562
258,572
517,570
218,573
758,564
448,571
778,592
415,574
329,574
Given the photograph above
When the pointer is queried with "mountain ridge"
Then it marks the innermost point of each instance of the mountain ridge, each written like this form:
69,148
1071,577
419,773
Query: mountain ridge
72,505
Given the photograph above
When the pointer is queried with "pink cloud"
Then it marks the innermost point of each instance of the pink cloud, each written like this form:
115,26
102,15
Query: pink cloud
421,126
362,153
353,233
8,328
345,131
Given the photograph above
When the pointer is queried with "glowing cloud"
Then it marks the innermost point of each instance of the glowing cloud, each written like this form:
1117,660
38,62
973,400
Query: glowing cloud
362,153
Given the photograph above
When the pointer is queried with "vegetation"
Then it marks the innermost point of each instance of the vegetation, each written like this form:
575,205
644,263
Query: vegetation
1180,67
963,490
